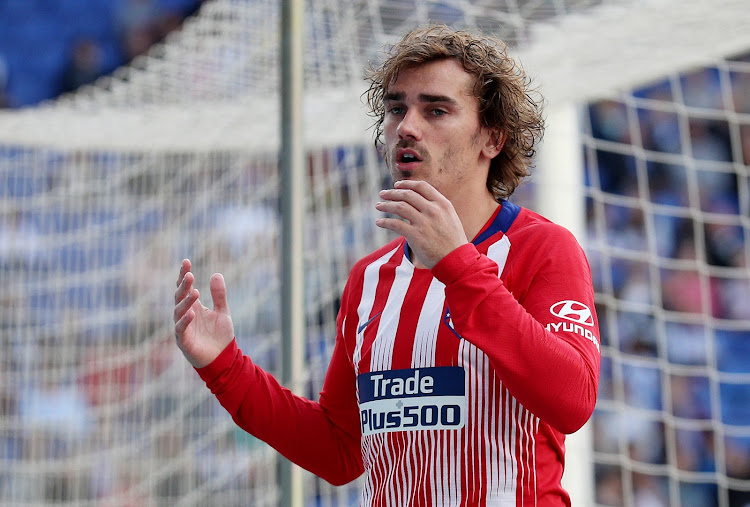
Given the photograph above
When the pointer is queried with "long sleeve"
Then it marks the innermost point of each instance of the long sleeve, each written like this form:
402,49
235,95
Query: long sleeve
548,362
300,429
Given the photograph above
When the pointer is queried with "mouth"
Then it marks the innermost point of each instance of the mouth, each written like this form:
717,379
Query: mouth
406,159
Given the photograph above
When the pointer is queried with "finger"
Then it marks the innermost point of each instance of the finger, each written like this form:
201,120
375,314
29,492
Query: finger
184,305
399,208
394,224
421,187
406,195
184,288
219,293
184,268
182,323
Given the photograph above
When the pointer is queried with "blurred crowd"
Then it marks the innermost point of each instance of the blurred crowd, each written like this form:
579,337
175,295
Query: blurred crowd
50,48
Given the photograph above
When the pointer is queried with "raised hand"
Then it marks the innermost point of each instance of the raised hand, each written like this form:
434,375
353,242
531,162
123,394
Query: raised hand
430,223
201,333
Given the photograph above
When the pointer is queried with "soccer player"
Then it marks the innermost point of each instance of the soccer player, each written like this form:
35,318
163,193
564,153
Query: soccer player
468,347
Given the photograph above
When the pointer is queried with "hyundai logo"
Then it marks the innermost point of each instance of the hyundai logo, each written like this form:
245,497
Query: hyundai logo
573,310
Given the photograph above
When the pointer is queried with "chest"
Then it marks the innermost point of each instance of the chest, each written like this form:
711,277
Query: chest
400,322
403,317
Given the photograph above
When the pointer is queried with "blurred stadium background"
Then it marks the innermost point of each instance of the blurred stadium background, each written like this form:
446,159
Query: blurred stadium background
139,132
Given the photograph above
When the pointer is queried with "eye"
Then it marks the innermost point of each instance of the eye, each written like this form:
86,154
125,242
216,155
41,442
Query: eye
396,110
438,112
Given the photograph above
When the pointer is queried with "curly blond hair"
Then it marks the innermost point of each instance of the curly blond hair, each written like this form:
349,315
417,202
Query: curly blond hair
507,103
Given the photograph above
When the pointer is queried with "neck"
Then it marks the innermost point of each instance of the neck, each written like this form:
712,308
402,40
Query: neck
474,213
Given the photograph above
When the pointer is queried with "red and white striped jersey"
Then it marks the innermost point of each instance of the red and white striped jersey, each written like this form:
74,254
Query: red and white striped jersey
447,387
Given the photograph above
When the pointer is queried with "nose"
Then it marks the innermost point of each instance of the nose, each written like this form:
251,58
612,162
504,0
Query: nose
409,127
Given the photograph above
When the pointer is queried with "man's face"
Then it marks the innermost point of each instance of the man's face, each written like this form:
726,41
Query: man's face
432,129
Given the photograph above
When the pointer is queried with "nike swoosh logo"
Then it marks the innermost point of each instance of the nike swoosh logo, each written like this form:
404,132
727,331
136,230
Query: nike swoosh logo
447,321
363,326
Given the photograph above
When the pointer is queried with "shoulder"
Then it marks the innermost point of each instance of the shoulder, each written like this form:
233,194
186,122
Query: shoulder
536,240
530,226
547,256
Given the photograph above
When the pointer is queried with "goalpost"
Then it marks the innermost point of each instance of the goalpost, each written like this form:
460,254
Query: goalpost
102,193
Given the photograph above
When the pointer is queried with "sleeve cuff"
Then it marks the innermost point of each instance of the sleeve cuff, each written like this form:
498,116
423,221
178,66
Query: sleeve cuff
221,364
452,266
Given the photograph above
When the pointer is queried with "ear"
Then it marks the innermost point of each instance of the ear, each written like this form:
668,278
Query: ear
494,144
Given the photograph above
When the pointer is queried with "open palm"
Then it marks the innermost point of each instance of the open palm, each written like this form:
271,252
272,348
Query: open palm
201,333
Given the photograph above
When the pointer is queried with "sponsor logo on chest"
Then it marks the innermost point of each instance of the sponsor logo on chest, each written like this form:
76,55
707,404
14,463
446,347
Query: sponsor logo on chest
412,399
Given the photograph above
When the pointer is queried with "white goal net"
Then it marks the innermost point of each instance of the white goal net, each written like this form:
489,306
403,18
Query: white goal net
668,208
103,192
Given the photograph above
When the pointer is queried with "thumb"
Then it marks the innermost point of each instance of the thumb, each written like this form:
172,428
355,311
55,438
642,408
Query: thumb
219,293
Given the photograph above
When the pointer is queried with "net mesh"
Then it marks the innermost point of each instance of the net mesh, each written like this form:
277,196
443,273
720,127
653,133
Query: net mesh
103,192
669,223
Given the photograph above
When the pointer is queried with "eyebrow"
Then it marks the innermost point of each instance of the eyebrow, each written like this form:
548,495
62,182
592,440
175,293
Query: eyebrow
423,97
